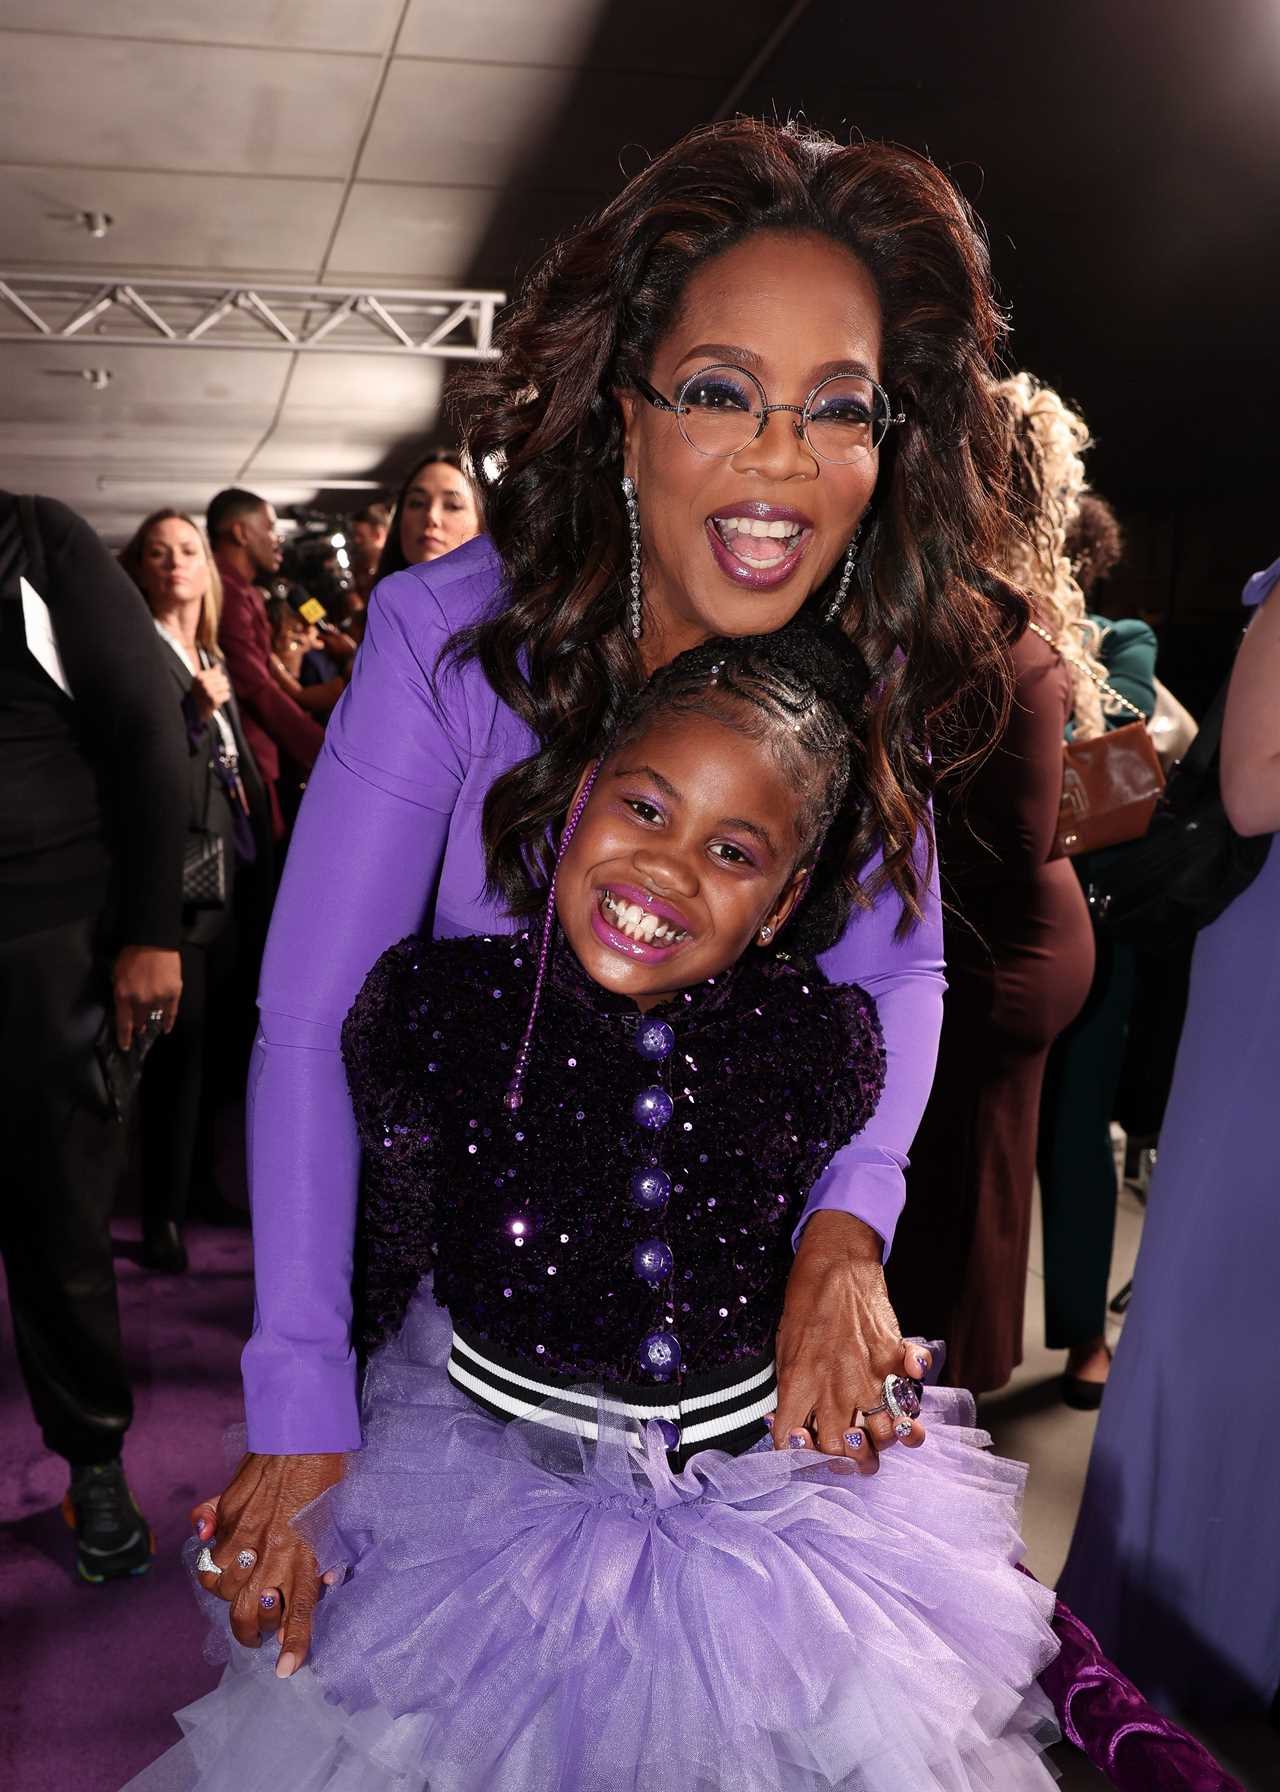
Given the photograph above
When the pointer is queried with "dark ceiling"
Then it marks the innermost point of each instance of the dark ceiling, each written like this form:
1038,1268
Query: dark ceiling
1125,157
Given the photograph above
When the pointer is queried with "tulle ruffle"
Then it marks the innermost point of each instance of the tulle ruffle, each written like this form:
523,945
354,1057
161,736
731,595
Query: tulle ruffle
527,1610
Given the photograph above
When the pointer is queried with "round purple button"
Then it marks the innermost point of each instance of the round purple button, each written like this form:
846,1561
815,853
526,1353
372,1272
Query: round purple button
651,1108
659,1354
652,1260
650,1189
655,1040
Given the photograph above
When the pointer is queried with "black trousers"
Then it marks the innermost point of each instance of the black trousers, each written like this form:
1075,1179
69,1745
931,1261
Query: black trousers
61,1154
1074,1156
185,1077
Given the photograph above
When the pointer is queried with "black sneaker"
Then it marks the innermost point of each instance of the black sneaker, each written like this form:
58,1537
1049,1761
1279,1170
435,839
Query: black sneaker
112,1536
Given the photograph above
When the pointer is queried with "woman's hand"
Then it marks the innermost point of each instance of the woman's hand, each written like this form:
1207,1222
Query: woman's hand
269,1574
211,688
837,1341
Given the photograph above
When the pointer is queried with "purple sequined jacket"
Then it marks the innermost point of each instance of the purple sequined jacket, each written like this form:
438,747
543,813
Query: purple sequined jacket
388,843
538,1238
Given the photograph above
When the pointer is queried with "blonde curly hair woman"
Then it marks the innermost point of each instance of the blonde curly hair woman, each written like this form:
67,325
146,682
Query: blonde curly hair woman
1047,441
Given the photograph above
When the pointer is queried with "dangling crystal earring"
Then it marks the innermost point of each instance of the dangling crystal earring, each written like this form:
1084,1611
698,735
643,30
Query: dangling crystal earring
835,609
635,614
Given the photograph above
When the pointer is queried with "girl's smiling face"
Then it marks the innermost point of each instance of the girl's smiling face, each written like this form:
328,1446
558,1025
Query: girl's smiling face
689,844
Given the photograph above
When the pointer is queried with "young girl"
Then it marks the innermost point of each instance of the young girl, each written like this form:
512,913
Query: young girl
572,1558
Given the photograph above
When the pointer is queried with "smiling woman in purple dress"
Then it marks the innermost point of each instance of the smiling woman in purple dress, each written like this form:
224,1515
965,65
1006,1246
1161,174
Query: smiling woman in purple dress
756,385
850,287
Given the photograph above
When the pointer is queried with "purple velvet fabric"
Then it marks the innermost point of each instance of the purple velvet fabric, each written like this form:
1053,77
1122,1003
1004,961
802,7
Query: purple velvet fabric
1107,1718
388,844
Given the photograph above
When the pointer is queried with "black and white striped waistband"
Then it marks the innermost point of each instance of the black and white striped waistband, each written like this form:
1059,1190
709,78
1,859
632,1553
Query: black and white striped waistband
719,1410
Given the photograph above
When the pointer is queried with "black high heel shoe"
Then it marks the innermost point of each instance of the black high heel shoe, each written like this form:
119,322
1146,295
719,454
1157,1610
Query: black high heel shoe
163,1250
1084,1396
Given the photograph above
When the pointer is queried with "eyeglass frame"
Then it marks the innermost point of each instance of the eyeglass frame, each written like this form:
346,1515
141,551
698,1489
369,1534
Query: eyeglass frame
652,396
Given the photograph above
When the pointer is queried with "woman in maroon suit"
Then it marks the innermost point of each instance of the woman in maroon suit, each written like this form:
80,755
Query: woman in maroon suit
1019,946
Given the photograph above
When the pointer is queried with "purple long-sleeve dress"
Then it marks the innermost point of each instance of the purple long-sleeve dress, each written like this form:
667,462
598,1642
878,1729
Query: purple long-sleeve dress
388,842
1170,1561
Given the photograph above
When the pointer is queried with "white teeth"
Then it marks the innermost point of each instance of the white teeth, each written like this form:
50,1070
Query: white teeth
637,923
745,525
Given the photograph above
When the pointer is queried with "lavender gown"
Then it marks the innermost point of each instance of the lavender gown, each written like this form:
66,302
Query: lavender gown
1172,1562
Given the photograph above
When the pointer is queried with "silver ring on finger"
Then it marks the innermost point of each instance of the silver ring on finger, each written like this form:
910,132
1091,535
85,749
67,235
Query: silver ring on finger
205,1563
901,1398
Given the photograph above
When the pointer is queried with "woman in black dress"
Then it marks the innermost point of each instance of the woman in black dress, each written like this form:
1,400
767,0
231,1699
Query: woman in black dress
169,560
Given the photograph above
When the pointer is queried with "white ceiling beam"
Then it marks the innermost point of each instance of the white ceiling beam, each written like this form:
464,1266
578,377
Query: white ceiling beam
135,312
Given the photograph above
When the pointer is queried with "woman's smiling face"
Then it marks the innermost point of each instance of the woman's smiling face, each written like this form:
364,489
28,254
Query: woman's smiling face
791,309
688,845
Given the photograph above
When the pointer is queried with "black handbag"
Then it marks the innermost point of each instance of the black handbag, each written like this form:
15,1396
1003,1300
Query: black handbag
205,884
1188,867
204,870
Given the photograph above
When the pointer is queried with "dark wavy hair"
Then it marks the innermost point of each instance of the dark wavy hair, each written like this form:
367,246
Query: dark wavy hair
804,691
1095,542
927,612
392,559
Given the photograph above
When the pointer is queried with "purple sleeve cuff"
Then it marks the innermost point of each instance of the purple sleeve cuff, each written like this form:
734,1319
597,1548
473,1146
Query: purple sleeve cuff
867,1184
299,1368
905,976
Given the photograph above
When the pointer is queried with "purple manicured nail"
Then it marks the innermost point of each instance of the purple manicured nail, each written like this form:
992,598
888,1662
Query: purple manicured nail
268,1602
902,1428
922,1363
853,1439
768,1421
798,1441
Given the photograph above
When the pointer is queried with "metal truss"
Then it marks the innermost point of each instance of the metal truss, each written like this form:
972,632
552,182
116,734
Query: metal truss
221,314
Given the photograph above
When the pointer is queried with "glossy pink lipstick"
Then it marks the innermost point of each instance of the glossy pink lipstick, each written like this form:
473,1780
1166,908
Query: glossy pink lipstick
642,951
762,575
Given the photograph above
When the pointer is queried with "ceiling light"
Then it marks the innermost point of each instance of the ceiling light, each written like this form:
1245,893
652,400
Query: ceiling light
97,223
97,377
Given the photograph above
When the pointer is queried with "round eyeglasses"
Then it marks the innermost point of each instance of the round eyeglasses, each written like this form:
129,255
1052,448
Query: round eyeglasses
722,409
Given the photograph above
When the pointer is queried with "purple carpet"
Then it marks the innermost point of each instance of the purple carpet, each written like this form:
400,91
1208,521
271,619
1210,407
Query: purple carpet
90,1676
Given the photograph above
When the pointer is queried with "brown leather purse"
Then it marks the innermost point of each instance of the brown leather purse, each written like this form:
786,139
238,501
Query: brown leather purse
1110,785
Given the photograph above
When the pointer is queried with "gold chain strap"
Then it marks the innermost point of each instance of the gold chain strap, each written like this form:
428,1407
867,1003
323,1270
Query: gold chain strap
1097,677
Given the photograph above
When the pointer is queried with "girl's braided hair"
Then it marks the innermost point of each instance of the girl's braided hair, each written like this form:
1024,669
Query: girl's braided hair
805,691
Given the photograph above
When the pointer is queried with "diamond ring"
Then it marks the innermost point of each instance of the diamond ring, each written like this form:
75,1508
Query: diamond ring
901,1399
205,1563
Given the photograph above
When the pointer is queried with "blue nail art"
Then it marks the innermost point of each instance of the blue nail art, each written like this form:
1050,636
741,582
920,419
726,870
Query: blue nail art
853,1439
798,1441
922,1363
268,1602
768,1421
902,1428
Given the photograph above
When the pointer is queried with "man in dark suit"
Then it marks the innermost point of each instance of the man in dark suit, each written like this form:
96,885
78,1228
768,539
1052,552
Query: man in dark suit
93,822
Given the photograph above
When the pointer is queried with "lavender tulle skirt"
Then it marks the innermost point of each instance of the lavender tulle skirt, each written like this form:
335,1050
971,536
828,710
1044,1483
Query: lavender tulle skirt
528,1611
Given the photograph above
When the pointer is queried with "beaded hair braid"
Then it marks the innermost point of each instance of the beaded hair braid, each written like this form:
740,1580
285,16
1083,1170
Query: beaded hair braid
802,689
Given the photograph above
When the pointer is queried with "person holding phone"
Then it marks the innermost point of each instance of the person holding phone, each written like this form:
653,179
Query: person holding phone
93,820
